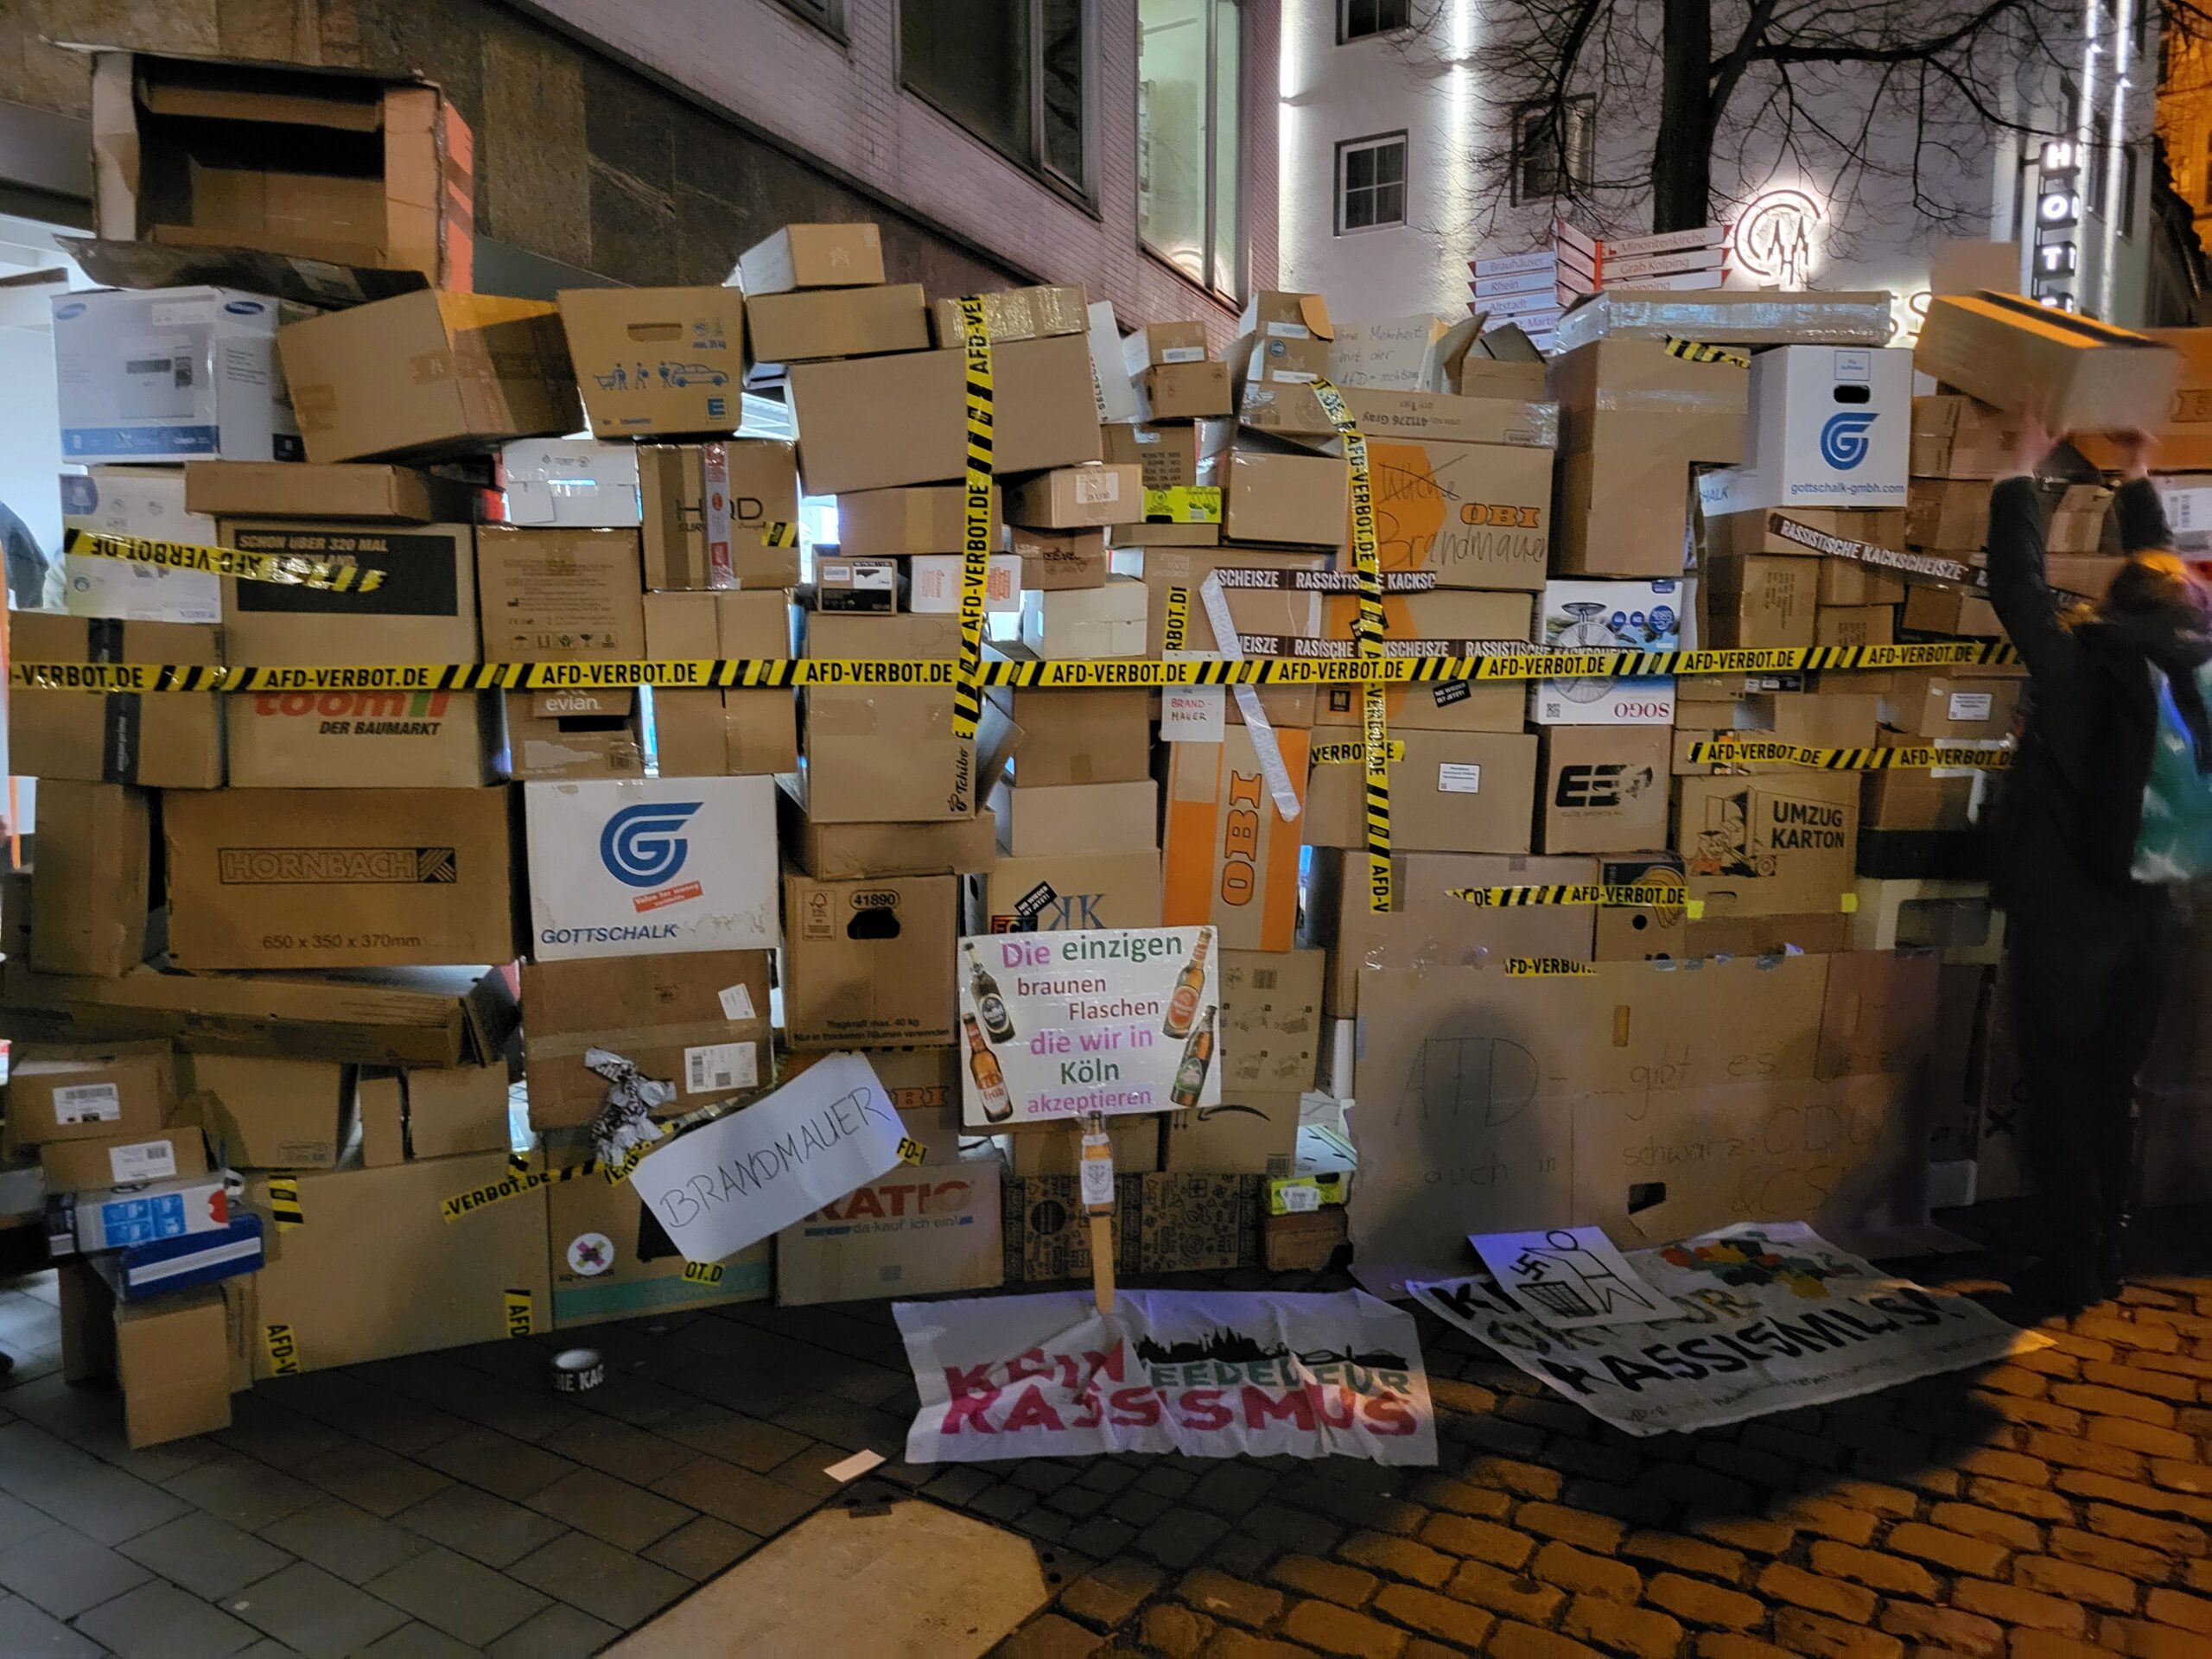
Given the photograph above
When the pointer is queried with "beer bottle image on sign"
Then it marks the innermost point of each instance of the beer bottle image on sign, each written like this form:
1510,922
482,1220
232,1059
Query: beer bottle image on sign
990,1006
1198,1055
1183,1005
990,1082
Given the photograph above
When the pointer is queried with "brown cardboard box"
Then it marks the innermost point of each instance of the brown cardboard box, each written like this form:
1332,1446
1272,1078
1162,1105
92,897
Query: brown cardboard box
1288,615
869,961
364,740
805,326
156,1155
1948,514
173,1358
544,746
2079,521
425,611
1933,704
1268,358
1930,801
1184,391
86,1315
1160,534
1846,582
302,878
170,741
885,753
429,373
62,1091
1450,614
1079,498
722,734
915,1232
1771,845
761,494
2184,439
606,1262
1248,1133
1086,890
1268,497
813,256
413,1280
1879,1013
697,1021
274,489
1057,1148
1182,1222
1019,314
1270,1021
1080,623
272,1114
843,851
380,1101
1453,792
1081,819
1837,716
1167,454
1801,532
1150,344
1101,736
560,595
1292,412
1308,1241
877,423
458,1108
1757,600
1856,625
922,518
1478,515
1229,857
1059,558
657,362
88,909
2006,349
1954,436
1602,789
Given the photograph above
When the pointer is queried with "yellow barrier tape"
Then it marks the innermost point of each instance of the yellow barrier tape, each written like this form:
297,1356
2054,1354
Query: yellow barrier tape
1177,628
911,1151
1352,752
779,534
1548,968
1657,895
1692,351
509,1187
1367,633
703,1272
521,1308
1184,503
282,1348
1914,757
284,1202
287,569
976,537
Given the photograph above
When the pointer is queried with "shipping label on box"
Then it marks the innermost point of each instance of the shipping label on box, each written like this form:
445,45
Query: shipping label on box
137,501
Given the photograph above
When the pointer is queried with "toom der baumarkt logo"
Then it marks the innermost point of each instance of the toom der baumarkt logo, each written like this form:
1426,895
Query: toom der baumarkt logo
1844,443
641,848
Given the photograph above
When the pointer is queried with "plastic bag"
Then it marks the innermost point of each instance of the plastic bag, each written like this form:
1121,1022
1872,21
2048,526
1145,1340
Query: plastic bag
2174,844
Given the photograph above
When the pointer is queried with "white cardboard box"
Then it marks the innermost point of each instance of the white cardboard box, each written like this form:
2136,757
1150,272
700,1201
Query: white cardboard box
1830,426
173,374
1072,623
571,483
639,867
137,501
1658,615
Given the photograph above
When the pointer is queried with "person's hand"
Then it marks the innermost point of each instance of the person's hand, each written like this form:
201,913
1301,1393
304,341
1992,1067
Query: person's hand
2032,442
2136,448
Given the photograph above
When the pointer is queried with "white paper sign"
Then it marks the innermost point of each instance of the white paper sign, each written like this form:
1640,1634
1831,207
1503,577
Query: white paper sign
1105,1020
1971,705
755,1172
1208,1373
1771,1317
1193,714
1568,1277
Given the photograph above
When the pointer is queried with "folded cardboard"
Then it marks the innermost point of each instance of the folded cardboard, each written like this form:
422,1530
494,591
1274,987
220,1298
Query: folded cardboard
173,374
813,256
869,960
1058,890
363,740
172,1360
1777,845
1756,600
1184,391
88,908
920,519
427,372
2081,374
1019,314
265,489
147,501
657,362
423,611
573,483
805,326
1251,1132
885,752
1079,819
169,740
1080,623
552,745
608,1259
264,1113
1079,498
915,1232
141,1155
559,595
303,878
1829,427
697,1022
87,1092
721,734
1602,789
738,533
458,1108
1229,857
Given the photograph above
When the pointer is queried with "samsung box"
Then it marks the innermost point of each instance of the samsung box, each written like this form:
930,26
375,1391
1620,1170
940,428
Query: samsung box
657,362
171,375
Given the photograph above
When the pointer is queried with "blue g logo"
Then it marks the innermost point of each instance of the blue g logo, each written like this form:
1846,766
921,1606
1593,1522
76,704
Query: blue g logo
1843,439
640,845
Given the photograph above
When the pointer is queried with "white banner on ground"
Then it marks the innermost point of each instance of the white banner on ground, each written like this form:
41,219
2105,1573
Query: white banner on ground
1772,1317
1211,1374
743,1177
1568,1277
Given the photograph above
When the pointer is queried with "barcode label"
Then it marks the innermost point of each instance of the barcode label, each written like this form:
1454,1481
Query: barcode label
715,1067
87,1103
142,1160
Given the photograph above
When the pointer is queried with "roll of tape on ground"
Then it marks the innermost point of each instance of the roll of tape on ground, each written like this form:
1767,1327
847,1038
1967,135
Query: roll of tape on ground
577,1370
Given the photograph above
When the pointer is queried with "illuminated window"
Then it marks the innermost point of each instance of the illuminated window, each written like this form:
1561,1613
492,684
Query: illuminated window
1370,183
1549,160
1190,98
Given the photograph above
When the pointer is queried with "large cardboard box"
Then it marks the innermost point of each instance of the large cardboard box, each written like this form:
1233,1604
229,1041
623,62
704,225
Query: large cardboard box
742,532
264,1113
610,1259
1830,426
1076,624
1477,515
363,740
813,256
870,961
426,373
268,489
544,742
698,1022
1452,792
1924,704
914,1233
304,878
172,1360
146,501
1955,436
412,1280
1281,497
560,595
455,1109
1079,819
1434,623
1757,600
1102,736
1951,514
1250,1133
805,326
1603,789
1229,857
1857,625
839,851
2084,375
877,423
657,362
1285,613
425,611
172,740
885,753
88,1092
1600,616
1057,891
158,1155
1270,1021
920,519
172,374
1778,844
650,866
1079,497
722,734
88,907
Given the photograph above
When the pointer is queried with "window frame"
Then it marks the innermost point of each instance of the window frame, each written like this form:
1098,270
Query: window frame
828,16
1371,143
1080,193
1584,154
1345,37
1228,288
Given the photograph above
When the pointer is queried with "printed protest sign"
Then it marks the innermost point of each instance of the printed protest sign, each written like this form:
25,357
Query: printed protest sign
1210,1374
745,1176
1768,1317
1108,1020
1568,1277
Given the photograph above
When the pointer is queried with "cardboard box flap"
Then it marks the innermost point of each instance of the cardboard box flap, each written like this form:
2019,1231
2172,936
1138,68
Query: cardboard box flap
117,263
225,91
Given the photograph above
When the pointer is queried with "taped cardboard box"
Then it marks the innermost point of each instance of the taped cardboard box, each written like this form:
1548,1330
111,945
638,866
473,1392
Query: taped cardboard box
170,741
427,374
1857,625
1088,736
272,1114
1838,716
1060,558
840,851
1936,801
1057,891
813,256
425,611
1755,601
369,739
1229,857
1079,498
1166,453
301,878
89,907
1014,314
697,538
2006,349
1078,818
1602,789
933,584
2184,432
805,326
610,1258
722,734
158,1155
1404,415
135,501
1948,514
869,961
560,595
915,1232
1248,1133
885,753
1075,624
1161,1223
414,1281
1928,703
172,1360
919,518
1772,845
698,1021
1281,497
268,489
454,1110
1452,792
1184,391
1409,622
554,745
1284,615
88,1092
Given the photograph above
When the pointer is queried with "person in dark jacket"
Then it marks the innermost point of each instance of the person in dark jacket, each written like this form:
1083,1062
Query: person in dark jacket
2088,946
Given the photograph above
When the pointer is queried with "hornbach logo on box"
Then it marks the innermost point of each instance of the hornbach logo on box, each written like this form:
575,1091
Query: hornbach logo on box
279,867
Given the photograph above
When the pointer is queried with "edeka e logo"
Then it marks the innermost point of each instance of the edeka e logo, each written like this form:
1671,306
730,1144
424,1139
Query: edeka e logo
640,845
1843,439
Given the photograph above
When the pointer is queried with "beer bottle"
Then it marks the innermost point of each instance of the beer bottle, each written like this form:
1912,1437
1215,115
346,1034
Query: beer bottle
990,1082
1197,1054
1185,1002
998,1024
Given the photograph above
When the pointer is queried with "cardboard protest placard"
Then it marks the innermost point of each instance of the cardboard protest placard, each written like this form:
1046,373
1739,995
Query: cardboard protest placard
1106,1020
1208,1373
755,1172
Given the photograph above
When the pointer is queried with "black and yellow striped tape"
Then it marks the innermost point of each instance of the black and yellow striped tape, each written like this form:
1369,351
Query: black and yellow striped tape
1548,968
911,1151
282,1348
287,570
1352,752
1692,351
1913,757
976,527
1657,895
514,1186
781,533
284,1202
520,1307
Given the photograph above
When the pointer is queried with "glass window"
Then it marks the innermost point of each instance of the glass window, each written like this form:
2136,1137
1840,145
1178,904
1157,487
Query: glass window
1370,183
1011,72
1190,100
1359,19
1548,161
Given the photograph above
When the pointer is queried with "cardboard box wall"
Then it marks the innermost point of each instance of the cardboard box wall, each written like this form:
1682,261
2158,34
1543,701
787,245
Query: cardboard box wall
869,961
89,911
914,1232
169,740
1452,792
674,509
607,1258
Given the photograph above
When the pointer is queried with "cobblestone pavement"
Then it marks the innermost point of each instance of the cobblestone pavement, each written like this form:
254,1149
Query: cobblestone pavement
2058,1506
